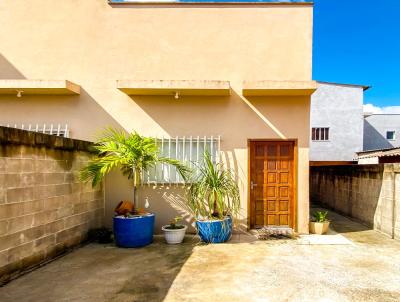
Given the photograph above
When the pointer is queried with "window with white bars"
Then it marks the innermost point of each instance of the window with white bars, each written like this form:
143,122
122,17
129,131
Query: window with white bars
320,134
189,150
52,129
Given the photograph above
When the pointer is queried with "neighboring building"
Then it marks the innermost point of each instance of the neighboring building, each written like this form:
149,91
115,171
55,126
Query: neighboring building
336,123
381,131
238,74
383,156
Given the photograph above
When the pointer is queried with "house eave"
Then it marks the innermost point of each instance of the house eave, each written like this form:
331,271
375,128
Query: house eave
171,87
279,88
47,87
207,3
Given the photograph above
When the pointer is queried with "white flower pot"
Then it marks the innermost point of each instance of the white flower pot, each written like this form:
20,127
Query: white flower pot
319,228
174,236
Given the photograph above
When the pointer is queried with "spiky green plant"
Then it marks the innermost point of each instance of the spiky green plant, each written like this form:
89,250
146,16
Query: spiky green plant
213,192
320,216
131,153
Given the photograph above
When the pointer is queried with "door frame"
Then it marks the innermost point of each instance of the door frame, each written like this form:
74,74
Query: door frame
295,176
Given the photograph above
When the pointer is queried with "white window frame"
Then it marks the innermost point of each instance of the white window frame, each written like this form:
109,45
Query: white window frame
190,151
394,135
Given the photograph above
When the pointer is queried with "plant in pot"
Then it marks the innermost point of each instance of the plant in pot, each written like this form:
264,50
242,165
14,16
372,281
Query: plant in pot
132,154
213,198
174,232
320,224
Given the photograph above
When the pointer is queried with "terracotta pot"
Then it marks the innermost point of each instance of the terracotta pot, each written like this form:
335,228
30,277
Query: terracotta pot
319,228
124,207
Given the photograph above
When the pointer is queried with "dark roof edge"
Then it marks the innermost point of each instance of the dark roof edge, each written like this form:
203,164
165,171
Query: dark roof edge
366,114
364,87
216,3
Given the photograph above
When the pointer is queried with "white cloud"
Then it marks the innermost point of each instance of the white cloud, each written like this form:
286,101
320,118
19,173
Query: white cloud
370,108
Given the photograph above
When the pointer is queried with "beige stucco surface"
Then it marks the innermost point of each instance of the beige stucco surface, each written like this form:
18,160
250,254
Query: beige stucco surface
94,44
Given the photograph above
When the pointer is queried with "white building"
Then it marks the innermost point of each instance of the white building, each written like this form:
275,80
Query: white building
381,131
336,123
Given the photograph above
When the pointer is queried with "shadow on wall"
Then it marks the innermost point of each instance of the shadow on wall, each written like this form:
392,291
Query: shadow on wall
355,191
234,118
8,70
165,200
81,112
373,139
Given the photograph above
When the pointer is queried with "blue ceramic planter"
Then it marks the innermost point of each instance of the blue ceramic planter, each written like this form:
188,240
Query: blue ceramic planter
215,231
134,231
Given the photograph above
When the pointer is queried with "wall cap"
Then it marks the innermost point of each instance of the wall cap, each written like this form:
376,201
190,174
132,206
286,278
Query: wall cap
15,136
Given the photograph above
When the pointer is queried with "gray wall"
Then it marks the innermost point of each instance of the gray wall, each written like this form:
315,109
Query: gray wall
339,107
44,208
375,127
369,193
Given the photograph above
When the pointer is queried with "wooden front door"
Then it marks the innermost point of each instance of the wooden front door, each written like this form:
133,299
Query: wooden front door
272,194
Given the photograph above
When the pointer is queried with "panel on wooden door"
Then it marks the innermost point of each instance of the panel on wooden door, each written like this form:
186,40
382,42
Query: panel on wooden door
271,183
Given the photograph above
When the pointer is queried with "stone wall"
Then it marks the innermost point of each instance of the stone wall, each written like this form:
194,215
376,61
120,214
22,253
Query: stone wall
369,193
44,209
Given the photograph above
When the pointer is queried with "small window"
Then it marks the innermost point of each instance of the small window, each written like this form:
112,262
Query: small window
189,150
320,134
390,135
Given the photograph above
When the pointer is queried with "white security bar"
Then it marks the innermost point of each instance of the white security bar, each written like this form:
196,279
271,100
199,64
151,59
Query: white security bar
58,130
189,150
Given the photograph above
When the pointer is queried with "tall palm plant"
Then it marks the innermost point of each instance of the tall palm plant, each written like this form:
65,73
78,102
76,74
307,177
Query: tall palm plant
213,192
131,153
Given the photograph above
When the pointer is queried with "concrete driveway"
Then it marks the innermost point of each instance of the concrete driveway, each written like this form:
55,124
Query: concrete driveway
242,270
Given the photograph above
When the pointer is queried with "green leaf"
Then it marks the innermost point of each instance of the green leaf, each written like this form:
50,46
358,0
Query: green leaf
213,192
131,153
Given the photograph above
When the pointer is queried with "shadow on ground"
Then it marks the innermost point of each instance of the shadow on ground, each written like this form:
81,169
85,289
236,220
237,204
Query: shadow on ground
105,273
240,270
339,223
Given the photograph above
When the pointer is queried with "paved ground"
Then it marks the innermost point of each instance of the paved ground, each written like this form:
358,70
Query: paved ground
368,270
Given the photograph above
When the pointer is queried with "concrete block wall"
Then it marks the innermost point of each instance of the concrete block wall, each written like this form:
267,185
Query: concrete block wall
369,193
44,208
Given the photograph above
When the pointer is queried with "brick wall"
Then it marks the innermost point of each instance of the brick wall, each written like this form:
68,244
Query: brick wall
370,193
44,209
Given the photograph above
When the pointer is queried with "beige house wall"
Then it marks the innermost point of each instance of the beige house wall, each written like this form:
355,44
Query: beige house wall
94,44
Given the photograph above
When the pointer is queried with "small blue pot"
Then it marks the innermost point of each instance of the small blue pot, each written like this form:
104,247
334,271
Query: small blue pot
134,231
215,231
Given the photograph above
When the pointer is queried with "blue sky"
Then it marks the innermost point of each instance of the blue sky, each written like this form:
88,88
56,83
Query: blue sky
358,41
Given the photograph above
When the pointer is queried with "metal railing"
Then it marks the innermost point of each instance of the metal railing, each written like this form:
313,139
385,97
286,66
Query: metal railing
58,129
189,150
